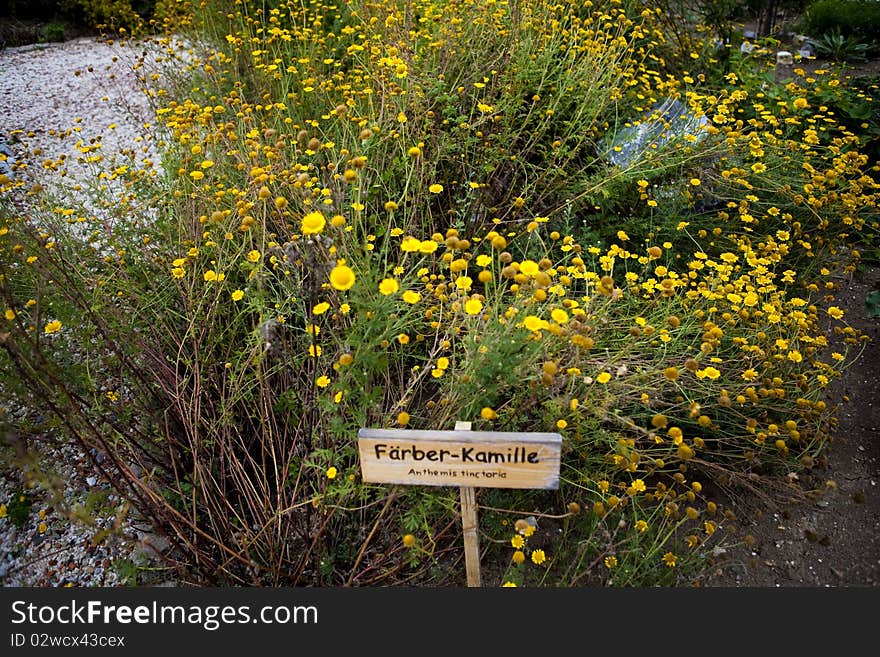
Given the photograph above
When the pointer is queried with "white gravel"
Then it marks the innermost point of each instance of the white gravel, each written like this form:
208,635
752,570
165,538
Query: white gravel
55,99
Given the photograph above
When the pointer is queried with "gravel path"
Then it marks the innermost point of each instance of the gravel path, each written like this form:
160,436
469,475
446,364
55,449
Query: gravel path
55,99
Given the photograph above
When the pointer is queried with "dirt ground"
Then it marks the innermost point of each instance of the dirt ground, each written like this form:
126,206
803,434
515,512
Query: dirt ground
832,539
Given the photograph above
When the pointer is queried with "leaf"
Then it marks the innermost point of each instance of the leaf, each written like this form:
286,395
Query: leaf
872,304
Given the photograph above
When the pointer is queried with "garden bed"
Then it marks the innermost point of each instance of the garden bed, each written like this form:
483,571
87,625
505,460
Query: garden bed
483,244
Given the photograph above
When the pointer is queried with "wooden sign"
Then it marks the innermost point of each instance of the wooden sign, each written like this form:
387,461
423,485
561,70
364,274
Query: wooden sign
488,459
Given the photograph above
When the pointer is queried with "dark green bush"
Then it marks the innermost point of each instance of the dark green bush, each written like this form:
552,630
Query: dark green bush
54,32
78,14
851,18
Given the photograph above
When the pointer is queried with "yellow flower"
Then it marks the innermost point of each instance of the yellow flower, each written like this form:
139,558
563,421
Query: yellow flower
403,418
237,295
488,414
210,275
409,540
509,585
533,323
436,188
517,541
610,561
670,559
313,223
604,377
9,314
538,557
427,246
388,286
473,306
410,244
708,373
321,308
2,510
253,255
342,277
52,327
638,485
323,381
331,472
641,526
559,316
411,297
528,267
464,283
519,556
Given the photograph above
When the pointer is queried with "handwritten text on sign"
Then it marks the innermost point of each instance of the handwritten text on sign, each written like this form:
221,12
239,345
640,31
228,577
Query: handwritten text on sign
460,458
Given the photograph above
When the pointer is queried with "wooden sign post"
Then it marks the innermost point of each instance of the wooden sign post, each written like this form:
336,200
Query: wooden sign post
469,526
464,458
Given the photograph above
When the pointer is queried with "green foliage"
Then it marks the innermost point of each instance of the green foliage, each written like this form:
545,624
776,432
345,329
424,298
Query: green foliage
18,508
54,32
61,17
837,47
872,304
856,105
115,15
127,571
858,19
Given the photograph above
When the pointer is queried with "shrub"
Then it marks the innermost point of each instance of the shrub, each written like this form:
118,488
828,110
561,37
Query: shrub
859,19
54,32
